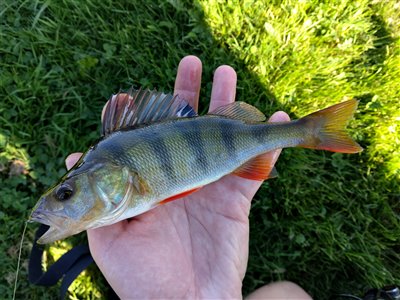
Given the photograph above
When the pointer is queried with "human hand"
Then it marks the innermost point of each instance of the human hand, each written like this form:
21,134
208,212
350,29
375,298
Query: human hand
194,247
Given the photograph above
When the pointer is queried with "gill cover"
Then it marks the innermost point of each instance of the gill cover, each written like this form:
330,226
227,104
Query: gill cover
114,188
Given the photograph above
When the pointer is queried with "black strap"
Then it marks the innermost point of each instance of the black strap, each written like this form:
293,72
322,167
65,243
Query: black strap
69,266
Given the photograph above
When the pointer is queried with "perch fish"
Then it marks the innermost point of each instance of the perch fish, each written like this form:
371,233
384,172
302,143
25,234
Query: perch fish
155,148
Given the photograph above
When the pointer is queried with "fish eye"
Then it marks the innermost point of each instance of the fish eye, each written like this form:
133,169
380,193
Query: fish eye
64,192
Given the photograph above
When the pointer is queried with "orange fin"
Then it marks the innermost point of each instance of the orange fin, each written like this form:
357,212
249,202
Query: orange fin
328,126
258,168
181,195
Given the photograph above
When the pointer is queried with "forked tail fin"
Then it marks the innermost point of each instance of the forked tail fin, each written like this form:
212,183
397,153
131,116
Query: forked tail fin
328,128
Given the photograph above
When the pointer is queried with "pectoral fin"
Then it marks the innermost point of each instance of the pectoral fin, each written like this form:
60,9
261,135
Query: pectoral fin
139,183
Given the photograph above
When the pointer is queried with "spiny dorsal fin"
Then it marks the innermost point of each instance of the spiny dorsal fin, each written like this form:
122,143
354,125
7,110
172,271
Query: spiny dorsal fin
241,111
258,168
138,107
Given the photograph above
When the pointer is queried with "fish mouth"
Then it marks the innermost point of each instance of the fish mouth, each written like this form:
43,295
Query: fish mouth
40,217
57,225
47,218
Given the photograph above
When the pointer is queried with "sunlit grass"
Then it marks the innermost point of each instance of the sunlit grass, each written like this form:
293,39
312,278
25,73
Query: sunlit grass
306,55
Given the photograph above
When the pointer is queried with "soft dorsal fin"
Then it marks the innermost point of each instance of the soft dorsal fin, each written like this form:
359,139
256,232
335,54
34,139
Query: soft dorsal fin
241,111
258,168
138,107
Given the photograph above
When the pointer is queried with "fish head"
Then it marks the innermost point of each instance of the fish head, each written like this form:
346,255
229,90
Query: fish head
84,199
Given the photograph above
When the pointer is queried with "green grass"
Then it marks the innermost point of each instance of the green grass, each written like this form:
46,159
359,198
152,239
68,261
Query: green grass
329,222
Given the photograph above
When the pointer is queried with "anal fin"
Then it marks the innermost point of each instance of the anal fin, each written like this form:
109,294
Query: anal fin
258,168
178,196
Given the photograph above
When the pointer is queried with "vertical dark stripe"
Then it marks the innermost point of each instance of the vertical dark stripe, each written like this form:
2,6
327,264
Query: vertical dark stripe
163,156
228,138
117,150
259,132
195,142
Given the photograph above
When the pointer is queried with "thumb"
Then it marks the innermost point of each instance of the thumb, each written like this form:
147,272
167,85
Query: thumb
71,159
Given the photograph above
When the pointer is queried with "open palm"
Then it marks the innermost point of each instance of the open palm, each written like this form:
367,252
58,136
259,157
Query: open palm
194,247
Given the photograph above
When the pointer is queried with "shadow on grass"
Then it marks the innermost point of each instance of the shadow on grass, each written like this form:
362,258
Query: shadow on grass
70,71
378,54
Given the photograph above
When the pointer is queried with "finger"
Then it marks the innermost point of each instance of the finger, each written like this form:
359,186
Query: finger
100,234
188,80
71,159
224,87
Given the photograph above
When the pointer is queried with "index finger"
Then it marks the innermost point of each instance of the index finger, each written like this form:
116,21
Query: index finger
188,80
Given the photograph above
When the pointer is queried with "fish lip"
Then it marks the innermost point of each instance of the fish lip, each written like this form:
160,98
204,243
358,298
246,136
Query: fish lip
39,220
39,216
47,218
